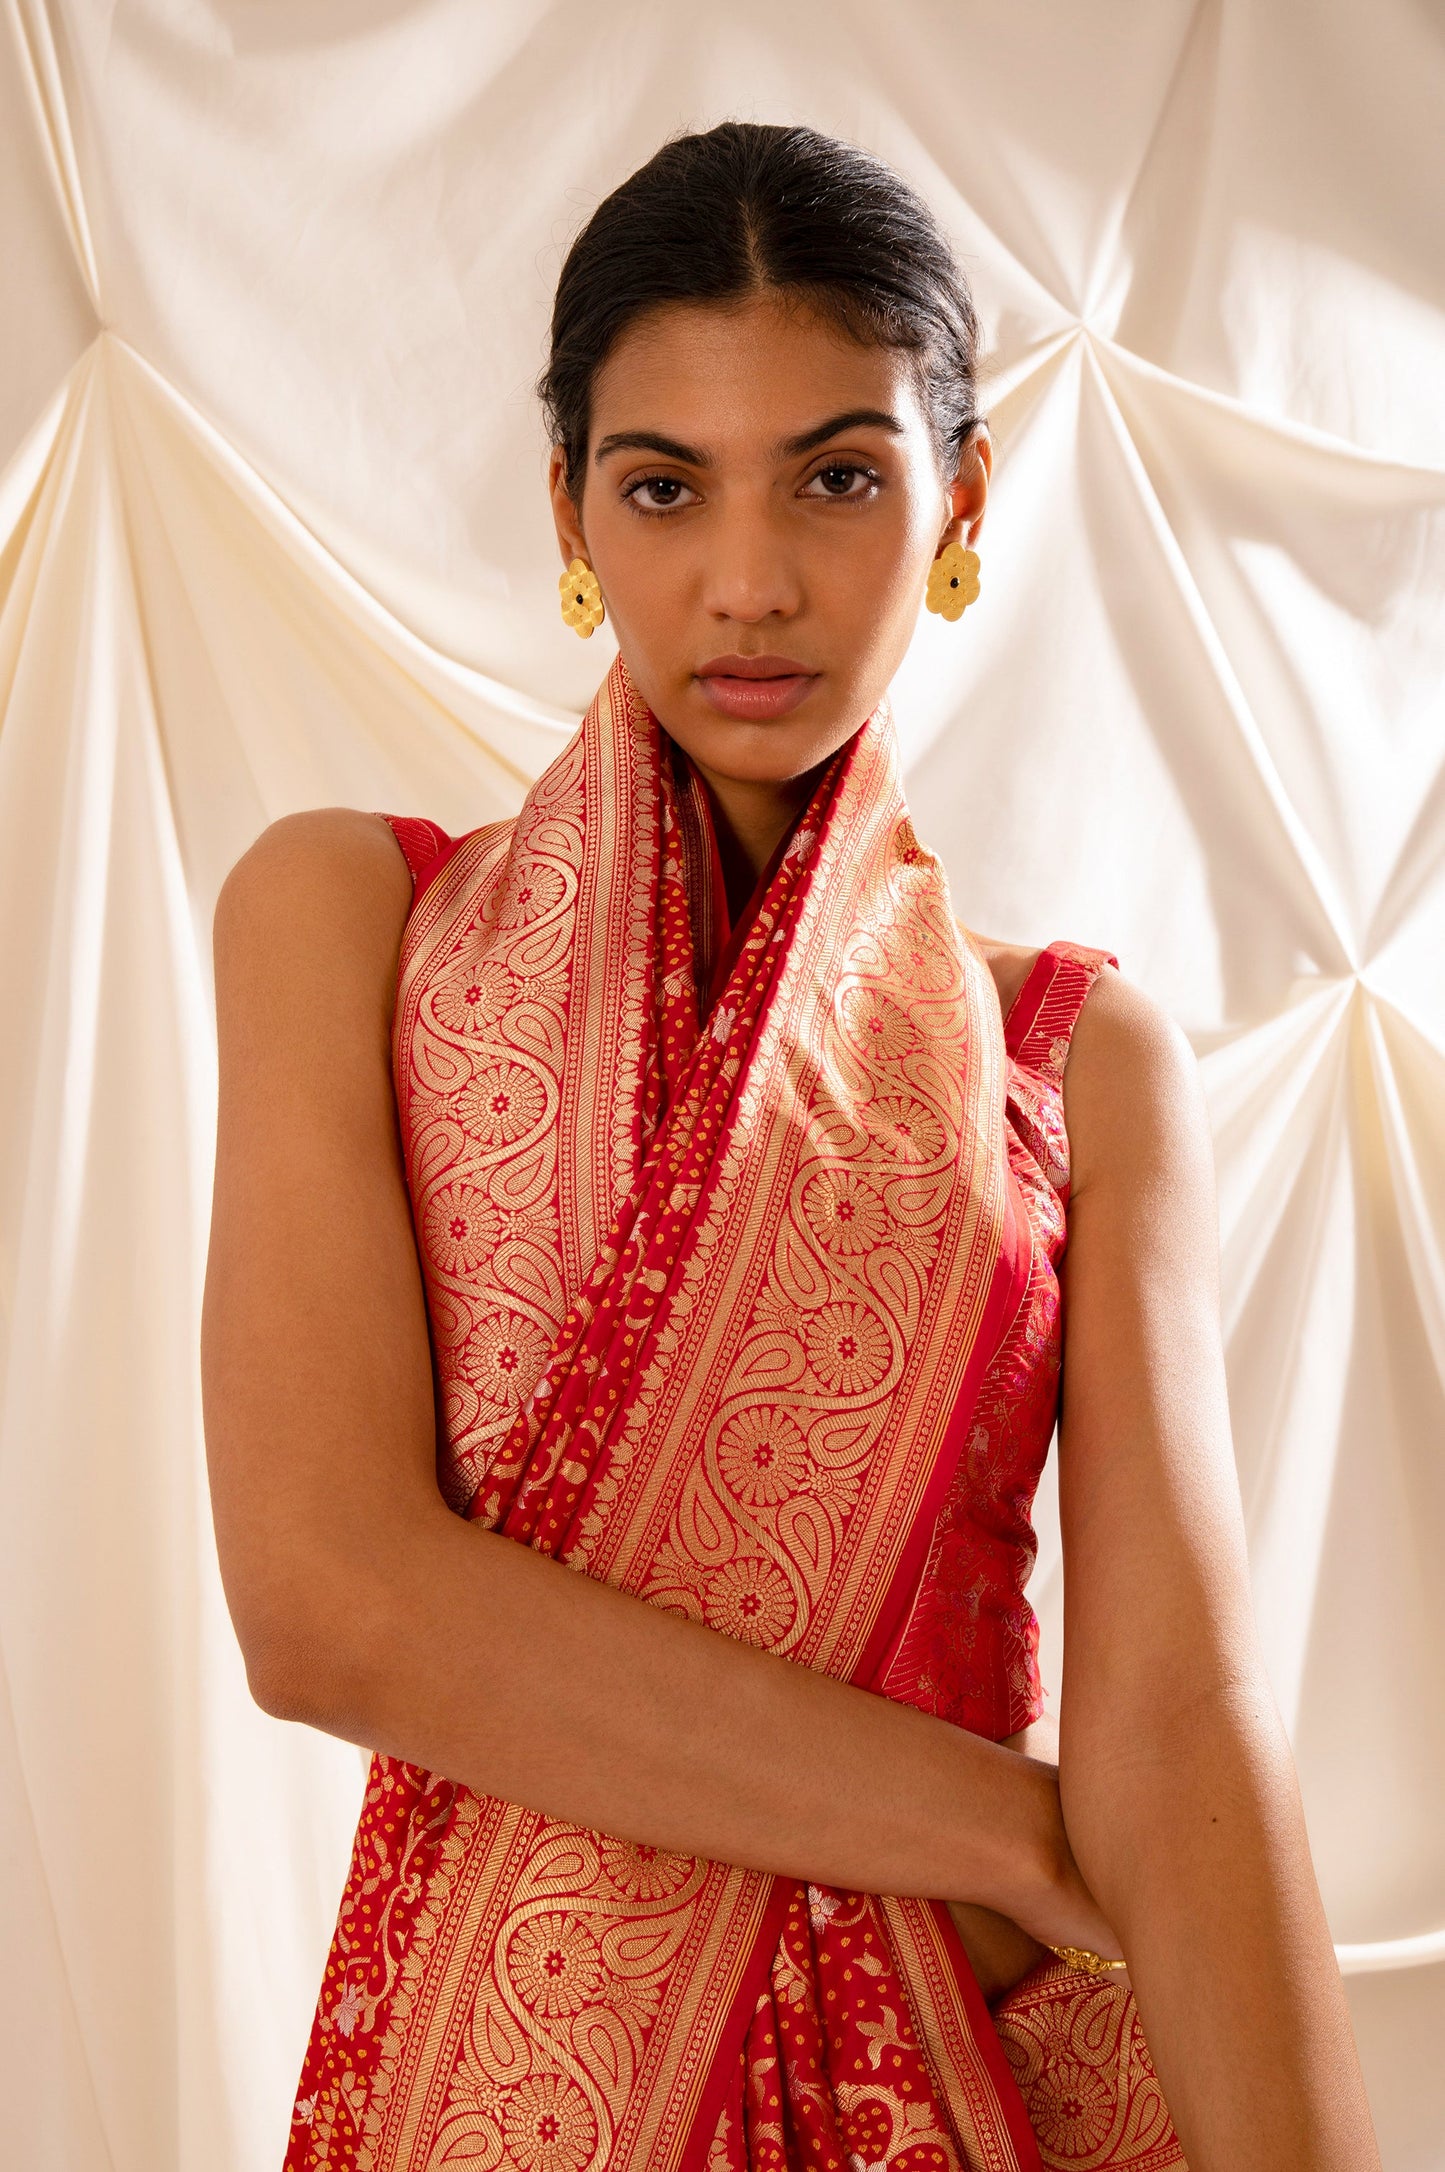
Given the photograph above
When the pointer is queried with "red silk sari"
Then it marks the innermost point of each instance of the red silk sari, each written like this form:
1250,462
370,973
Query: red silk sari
713,1285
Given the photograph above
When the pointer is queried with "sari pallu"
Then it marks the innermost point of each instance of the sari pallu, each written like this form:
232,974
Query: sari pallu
710,1298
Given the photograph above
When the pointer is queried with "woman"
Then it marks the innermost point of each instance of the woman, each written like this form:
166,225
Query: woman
665,1186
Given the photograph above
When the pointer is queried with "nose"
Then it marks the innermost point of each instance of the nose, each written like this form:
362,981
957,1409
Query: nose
749,571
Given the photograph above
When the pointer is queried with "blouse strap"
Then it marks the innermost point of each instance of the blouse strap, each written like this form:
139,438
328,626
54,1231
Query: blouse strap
425,845
1041,1017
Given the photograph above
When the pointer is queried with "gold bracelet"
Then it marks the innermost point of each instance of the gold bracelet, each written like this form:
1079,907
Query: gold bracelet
1093,1964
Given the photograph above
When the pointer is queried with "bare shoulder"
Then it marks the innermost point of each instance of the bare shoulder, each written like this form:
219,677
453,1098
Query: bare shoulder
331,875
308,926
336,855
1134,1105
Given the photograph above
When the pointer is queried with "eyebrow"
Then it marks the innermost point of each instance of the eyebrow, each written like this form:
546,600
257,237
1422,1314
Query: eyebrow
852,418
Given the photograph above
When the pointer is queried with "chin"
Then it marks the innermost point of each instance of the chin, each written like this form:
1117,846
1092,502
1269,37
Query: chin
752,754
757,750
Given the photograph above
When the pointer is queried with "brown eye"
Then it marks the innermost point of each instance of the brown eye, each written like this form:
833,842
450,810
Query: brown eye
653,483
843,472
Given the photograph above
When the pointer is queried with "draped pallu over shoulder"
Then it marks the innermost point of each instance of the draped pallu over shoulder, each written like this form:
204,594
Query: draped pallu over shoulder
712,1288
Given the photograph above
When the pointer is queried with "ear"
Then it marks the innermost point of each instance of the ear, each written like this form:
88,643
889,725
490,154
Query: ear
967,494
572,542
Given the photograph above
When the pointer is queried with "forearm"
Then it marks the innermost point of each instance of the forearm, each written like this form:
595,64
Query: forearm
477,1657
1194,1843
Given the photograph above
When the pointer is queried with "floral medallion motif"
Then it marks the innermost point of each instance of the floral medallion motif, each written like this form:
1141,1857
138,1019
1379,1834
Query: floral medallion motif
905,1129
1078,2104
504,1354
548,2125
460,1227
844,1214
931,968
534,888
502,1103
877,1024
762,1456
642,1872
554,1963
751,1600
473,999
848,1347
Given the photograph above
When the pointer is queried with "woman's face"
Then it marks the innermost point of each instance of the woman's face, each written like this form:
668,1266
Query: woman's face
758,486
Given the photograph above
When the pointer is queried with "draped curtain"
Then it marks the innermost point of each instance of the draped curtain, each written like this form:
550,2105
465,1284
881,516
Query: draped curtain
274,534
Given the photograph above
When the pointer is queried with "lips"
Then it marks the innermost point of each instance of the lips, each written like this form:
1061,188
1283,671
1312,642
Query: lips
755,686
754,667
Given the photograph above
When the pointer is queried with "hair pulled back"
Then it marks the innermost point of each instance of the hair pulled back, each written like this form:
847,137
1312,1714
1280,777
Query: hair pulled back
746,208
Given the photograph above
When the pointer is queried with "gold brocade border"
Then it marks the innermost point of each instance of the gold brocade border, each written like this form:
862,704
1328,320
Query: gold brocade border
961,2046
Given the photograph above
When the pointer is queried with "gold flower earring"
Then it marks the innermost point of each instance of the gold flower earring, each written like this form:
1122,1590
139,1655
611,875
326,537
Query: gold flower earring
952,581
581,598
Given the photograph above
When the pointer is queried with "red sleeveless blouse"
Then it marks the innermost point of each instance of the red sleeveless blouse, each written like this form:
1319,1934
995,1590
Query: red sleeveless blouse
969,1652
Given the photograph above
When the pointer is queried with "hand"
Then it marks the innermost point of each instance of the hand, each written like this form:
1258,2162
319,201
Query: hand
999,1952
1053,1903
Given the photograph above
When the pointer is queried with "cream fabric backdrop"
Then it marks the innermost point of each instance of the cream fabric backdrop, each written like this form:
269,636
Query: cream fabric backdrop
273,533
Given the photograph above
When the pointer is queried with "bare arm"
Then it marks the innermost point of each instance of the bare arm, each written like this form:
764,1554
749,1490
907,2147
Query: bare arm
1178,1787
365,1607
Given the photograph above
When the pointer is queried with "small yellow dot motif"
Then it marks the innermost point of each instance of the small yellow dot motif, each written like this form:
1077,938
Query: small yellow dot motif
952,581
581,598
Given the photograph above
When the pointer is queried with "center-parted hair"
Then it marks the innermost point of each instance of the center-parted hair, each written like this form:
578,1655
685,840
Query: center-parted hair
747,208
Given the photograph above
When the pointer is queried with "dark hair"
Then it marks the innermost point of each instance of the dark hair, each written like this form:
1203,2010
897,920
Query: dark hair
743,208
